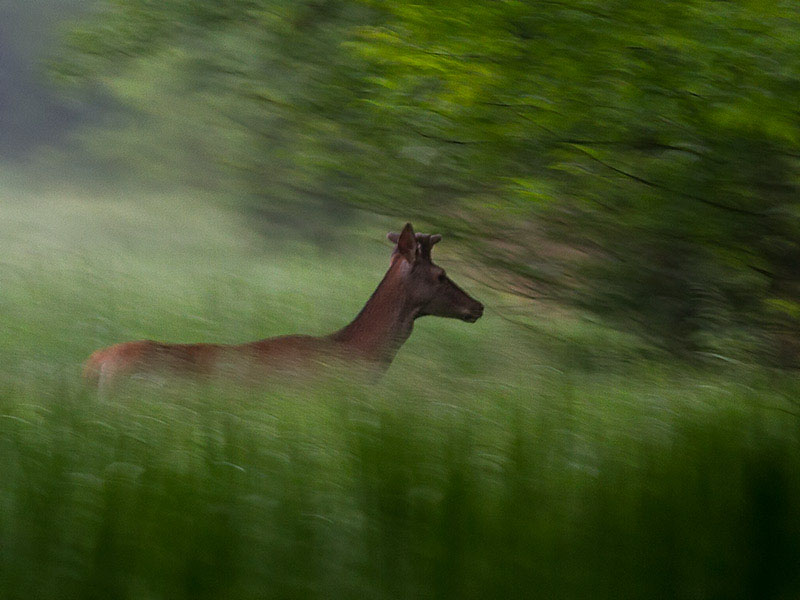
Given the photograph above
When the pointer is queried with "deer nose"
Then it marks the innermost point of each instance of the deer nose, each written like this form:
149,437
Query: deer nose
474,313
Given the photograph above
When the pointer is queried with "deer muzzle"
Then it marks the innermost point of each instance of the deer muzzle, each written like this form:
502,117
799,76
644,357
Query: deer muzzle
473,313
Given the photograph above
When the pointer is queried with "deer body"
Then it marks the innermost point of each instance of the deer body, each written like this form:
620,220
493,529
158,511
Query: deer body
412,287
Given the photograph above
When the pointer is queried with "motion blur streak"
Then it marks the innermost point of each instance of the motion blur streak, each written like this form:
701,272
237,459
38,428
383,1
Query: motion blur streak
615,181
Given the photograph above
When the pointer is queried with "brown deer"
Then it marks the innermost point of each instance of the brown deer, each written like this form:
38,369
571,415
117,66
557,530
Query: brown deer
412,287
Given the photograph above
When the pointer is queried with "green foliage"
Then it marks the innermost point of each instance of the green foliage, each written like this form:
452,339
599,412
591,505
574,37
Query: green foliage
659,141
489,463
396,493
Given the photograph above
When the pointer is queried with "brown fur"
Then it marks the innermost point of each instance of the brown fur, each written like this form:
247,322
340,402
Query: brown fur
412,287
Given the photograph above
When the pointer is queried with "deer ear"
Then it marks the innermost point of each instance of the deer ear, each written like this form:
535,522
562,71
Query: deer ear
393,237
407,243
435,239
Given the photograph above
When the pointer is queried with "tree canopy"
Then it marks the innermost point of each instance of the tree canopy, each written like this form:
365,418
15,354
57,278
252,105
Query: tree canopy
637,160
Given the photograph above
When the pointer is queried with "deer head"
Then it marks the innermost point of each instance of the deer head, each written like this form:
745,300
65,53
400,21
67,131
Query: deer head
427,287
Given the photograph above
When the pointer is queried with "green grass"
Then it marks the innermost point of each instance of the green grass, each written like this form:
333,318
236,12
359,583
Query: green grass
491,462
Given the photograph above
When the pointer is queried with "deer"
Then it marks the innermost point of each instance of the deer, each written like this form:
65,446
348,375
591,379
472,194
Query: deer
413,287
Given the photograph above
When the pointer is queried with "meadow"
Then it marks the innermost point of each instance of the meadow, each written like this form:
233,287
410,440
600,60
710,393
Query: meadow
548,458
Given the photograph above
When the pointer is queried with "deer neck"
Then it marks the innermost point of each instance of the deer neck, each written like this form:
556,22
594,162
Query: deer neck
385,322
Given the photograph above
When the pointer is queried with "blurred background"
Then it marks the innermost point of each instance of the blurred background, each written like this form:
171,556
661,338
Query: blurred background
616,181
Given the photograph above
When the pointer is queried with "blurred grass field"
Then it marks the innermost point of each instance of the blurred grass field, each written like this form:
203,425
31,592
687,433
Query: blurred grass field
555,460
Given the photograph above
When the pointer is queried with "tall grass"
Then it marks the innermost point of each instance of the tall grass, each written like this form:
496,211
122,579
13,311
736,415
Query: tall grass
490,462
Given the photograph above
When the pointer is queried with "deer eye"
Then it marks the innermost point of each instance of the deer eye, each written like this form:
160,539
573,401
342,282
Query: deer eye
441,277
